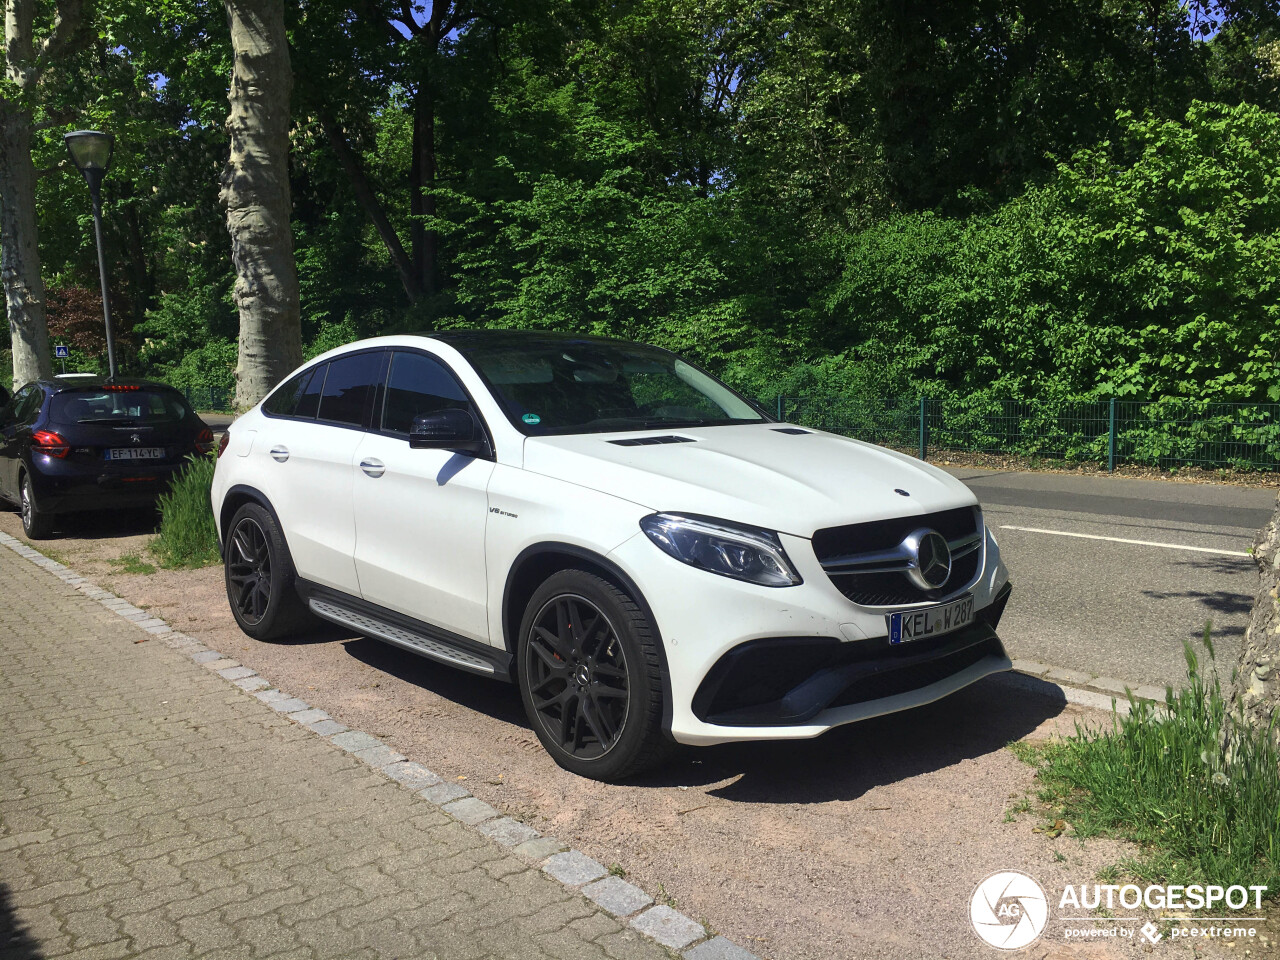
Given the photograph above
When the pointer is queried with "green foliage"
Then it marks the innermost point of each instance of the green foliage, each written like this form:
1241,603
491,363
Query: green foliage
1161,778
809,198
1145,268
188,537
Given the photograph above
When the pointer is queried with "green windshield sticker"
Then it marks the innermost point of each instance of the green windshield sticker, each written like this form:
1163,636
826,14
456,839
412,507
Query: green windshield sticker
531,418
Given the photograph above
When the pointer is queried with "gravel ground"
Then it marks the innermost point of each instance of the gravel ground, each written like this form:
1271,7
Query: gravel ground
867,842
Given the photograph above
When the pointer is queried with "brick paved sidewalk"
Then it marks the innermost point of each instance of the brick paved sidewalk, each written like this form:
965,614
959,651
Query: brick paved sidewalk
149,809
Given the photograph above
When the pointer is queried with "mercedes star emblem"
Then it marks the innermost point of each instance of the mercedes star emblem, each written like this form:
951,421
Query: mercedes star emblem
930,559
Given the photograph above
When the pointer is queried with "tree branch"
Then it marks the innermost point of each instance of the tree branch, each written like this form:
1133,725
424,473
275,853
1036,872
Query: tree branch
66,37
369,201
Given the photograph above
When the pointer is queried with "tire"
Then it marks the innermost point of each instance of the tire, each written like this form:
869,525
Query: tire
588,664
36,524
260,578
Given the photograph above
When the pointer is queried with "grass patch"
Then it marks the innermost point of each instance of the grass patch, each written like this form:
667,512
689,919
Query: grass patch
1161,778
132,563
188,537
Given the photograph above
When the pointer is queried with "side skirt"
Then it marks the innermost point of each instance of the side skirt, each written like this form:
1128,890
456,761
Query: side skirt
413,635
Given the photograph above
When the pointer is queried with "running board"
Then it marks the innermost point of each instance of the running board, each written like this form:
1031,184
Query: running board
400,636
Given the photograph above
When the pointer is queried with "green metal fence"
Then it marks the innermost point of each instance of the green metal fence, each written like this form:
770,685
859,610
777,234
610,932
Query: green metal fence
208,398
1160,433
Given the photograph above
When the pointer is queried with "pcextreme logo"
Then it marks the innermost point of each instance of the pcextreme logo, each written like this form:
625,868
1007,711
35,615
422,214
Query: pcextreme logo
1009,910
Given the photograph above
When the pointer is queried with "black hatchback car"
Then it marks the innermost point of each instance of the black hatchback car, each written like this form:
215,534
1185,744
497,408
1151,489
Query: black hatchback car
78,444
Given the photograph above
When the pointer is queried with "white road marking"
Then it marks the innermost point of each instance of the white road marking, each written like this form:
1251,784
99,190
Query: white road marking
1140,543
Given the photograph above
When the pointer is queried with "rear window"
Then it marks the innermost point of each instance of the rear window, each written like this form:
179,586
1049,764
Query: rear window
100,405
349,386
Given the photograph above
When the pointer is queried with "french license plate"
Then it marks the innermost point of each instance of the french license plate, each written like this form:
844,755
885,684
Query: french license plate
931,621
135,453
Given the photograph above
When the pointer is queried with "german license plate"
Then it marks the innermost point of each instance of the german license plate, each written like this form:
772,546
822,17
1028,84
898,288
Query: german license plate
931,621
135,453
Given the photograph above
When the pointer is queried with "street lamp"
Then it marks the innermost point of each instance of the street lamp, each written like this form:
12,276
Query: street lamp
91,153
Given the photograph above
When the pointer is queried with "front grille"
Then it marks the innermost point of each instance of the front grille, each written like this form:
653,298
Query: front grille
861,562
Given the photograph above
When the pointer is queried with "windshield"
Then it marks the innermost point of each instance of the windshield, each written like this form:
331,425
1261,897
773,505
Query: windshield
116,404
586,386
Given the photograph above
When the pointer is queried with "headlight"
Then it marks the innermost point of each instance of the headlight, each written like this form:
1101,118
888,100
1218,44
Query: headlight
738,552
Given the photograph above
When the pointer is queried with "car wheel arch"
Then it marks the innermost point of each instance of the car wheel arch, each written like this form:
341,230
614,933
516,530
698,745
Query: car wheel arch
534,564
235,498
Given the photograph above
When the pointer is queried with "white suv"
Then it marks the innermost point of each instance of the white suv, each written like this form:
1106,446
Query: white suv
649,556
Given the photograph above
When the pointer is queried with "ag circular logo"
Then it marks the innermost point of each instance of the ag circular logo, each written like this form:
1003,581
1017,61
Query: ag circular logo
1009,910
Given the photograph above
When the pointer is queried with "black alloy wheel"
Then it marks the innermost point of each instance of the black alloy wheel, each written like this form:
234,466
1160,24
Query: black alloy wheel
577,676
589,664
260,577
249,571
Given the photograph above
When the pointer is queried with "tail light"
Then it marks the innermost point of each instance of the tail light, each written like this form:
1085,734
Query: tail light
120,387
204,442
49,443
222,443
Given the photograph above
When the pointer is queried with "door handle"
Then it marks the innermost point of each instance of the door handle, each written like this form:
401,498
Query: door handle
373,467
279,453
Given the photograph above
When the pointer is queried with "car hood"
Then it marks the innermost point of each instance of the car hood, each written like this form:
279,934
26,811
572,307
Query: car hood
751,474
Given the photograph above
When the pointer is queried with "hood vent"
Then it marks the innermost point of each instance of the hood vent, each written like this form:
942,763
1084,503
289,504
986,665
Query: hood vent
794,431
650,441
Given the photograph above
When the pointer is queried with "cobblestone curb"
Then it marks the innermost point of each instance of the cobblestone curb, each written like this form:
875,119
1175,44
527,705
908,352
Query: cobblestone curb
573,869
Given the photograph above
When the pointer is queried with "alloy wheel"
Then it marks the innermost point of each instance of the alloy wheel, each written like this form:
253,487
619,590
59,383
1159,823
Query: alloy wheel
249,570
26,505
577,676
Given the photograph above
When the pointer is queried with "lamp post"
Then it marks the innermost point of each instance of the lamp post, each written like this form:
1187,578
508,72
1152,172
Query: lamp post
91,152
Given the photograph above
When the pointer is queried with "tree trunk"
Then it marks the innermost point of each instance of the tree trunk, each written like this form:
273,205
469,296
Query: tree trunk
1256,695
20,260
255,189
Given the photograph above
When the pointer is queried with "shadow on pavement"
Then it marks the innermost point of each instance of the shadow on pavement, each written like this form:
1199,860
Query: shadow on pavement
493,698
843,764
15,944
105,525
850,760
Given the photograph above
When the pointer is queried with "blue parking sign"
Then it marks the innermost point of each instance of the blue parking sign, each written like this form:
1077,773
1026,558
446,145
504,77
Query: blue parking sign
61,352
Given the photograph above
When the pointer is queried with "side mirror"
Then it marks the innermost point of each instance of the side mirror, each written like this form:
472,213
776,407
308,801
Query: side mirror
456,430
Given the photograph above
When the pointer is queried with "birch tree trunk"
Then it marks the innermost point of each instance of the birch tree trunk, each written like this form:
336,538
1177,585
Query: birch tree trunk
1256,695
255,189
25,62
20,260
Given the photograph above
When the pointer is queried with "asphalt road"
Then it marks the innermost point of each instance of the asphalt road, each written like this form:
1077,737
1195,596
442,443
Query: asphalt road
1097,604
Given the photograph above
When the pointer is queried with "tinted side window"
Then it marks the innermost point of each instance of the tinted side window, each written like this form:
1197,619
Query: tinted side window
30,405
284,402
9,411
349,386
309,400
418,385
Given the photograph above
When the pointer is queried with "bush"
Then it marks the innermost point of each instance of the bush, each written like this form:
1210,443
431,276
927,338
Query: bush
1161,778
188,537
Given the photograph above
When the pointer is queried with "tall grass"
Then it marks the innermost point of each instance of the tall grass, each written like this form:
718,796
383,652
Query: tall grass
1162,778
188,537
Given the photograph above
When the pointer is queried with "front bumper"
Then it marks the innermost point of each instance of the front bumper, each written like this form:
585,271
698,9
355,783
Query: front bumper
758,663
